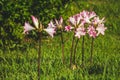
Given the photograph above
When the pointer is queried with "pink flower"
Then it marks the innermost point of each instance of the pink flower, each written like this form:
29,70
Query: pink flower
101,29
27,27
91,31
82,23
75,20
78,18
80,32
97,20
92,14
35,21
50,31
87,16
51,25
72,20
68,28
59,22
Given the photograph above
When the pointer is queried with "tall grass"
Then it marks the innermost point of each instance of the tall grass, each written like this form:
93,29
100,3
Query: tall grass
17,65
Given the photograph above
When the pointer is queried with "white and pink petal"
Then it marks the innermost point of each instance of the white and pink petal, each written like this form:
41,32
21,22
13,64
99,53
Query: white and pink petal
28,27
50,31
35,21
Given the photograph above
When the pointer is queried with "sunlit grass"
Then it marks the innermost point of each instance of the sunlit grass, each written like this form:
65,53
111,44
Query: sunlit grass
23,64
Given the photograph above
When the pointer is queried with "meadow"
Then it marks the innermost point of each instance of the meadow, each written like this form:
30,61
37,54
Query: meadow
21,63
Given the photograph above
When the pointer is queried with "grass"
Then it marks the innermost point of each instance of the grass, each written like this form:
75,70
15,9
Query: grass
21,64
17,65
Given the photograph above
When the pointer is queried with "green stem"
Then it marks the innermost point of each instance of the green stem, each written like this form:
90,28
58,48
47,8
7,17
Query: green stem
83,51
72,49
39,54
91,55
62,42
75,51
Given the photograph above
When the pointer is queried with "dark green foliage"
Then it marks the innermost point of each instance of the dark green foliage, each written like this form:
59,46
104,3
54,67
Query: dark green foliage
14,13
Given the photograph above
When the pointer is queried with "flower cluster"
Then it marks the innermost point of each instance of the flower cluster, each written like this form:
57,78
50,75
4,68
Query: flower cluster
82,23
86,22
58,24
52,28
38,26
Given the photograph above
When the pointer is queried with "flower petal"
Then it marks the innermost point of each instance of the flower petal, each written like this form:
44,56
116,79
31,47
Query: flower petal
101,29
68,28
50,31
80,32
91,31
72,20
27,27
35,21
51,25
61,21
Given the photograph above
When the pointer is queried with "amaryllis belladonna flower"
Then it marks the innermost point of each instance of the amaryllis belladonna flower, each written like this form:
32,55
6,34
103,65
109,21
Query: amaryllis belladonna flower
80,32
35,21
59,22
50,31
87,16
51,25
96,20
27,28
92,32
68,28
101,29
75,20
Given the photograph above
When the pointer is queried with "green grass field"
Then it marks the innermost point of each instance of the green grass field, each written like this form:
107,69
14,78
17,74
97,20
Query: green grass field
21,64
17,65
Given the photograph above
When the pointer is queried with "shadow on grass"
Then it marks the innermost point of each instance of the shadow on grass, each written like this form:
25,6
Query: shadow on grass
95,69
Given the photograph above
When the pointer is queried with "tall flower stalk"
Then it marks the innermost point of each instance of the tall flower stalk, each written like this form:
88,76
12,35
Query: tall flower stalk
95,28
69,28
74,56
39,53
62,43
72,47
91,51
59,26
82,23
39,28
79,30
83,41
